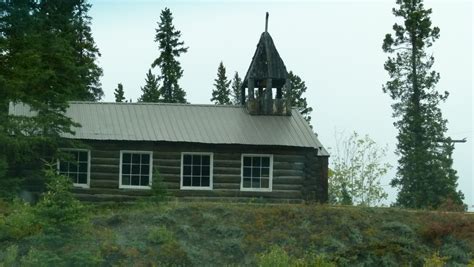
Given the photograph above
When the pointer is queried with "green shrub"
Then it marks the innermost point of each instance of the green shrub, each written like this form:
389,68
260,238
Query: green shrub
40,258
20,223
435,261
160,235
276,257
158,188
9,256
58,210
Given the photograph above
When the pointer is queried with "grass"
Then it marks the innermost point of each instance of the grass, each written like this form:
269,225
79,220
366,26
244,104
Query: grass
220,234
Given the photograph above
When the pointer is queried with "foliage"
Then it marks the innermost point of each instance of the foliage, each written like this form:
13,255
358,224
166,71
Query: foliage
276,257
9,257
58,210
357,167
435,261
425,175
150,92
221,93
236,92
158,188
19,223
170,48
297,88
160,235
119,93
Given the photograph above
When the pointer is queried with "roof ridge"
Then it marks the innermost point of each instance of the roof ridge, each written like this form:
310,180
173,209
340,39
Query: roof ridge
154,104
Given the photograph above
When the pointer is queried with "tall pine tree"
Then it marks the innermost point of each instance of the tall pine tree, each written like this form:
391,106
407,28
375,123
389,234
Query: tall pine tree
425,175
236,89
150,92
119,93
298,88
170,48
220,95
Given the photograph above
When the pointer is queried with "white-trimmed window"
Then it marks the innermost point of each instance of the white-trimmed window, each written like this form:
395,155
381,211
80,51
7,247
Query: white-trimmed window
135,169
196,170
257,172
76,165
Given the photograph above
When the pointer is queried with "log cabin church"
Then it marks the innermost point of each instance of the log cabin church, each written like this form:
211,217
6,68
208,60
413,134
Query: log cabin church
260,149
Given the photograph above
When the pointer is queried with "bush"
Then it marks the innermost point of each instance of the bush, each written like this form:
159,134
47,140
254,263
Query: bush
276,257
58,210
9,256
20,223
435,261
160,235
158,188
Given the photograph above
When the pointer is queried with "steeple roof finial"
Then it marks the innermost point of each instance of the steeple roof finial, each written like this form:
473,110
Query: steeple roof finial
266,23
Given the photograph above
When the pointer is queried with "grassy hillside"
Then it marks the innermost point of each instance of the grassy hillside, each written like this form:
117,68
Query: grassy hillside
203,234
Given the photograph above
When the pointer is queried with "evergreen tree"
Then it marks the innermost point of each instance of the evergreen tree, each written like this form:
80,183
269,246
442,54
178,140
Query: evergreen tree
170,48
236,89
298,88
119,93
150,92
425,175
220,95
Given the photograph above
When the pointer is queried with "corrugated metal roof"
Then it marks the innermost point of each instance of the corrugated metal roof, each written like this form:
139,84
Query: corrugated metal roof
211,124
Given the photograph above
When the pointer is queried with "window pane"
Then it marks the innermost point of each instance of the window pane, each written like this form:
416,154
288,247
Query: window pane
265,172
72,167
145,169
206,170
255,183
74,155
135,180
187,159
265,161
247,161
205,181
73,177
136,169
136,158
256,172
126,169
196,170
126,158
187,181
196,159
196,181
265,183
206,160
62,166
82,167
186,170
83,156
256,161
247,172
145,181
145,158
247,182
125,179
82,178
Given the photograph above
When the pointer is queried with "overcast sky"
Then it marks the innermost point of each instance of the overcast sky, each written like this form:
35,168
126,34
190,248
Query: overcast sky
334,46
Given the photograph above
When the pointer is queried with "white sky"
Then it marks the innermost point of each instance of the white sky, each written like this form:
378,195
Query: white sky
335,46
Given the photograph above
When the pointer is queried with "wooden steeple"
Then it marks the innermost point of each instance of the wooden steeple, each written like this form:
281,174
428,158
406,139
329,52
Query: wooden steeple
266,72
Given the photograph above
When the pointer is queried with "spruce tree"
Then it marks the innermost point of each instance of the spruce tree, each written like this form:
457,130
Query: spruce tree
298,88
236,89
150,92
119,93
425,176
220,95
170,48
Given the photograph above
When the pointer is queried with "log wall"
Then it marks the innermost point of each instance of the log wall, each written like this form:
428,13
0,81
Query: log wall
298,173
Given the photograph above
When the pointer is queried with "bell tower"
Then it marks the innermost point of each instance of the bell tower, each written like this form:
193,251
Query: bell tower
262,88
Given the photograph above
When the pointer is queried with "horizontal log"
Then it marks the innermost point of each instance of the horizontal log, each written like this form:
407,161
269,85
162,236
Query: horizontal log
113,191
103,168
226,178
104,176
222,163
226,186
279,173
283,187
288,180
104,197
227,170
288,165
105,154
167,162
169,170
106,161
104,183
292,194
288,158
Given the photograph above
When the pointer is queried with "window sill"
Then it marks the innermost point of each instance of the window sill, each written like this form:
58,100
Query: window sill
134,187
195,188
